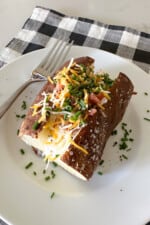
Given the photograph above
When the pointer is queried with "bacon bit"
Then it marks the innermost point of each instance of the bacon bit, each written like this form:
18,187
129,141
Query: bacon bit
100,96
94,99
92,111
59,87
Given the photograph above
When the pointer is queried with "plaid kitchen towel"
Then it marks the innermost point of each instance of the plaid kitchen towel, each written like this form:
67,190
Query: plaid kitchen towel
46,23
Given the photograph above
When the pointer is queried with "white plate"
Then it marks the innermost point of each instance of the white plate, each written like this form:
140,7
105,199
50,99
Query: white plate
121,196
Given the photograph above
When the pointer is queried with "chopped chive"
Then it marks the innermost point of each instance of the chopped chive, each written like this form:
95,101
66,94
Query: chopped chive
148,110
146,119
123,146
52,195
124,139
131,139
114,132
53,174
76,116
44,171
17,115
24,105
124,124
101,162
124,156
34,173
47,108
22,151
54,164
47,178
35,125
18,131
115,143
65,116
28,165
20,116
100,173
82,105
145,93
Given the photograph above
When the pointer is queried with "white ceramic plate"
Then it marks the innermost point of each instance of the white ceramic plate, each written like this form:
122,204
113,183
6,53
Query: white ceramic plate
121,196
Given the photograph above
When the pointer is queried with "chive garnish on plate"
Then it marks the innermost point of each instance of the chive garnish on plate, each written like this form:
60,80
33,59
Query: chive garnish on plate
52,195
44,171
47,178
21,116
100,173
28,165
34,173
53,174
22,151
24,105
54,164
147,119
101,162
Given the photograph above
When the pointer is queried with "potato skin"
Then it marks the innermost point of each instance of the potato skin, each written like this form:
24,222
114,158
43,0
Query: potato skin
94,135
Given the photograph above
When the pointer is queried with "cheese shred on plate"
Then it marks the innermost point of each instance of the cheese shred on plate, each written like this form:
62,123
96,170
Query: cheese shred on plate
77,94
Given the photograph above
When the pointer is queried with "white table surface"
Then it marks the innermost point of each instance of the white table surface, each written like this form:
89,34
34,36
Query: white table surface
132,13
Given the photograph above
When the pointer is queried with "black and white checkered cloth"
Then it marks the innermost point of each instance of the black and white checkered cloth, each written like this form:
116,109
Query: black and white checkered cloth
46,23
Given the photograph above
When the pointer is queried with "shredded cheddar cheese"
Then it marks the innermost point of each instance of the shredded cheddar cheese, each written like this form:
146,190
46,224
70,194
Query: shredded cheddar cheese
65,110
50,80
79,147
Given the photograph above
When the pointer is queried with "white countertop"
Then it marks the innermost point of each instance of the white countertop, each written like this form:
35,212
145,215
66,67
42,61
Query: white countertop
131,13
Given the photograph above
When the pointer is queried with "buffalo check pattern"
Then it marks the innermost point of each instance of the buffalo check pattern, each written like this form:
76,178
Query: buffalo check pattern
47,23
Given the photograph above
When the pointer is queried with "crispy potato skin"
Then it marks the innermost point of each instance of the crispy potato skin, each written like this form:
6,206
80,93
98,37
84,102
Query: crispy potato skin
94,136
